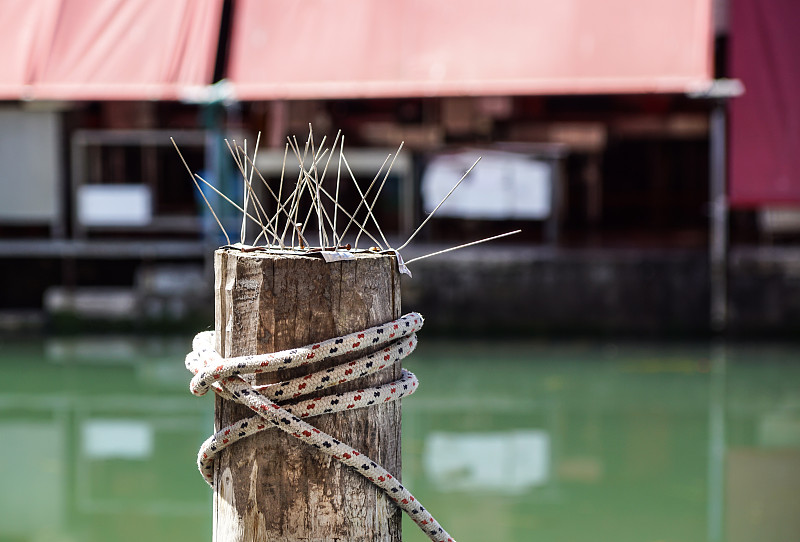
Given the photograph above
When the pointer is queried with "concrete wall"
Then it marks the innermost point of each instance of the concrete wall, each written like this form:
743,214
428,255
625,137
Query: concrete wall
662,293
764,292
542,291
547,292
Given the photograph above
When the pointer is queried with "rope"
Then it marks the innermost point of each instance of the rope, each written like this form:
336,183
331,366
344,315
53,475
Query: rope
225,377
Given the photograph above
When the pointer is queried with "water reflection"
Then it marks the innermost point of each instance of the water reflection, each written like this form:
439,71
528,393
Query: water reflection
635,443
512,441
508,462
102,437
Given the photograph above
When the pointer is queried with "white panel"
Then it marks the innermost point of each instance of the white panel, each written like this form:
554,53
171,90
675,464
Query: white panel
779,219
114,205
30,172
502,186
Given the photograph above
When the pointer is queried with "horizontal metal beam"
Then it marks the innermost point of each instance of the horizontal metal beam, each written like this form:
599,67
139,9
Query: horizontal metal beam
89,249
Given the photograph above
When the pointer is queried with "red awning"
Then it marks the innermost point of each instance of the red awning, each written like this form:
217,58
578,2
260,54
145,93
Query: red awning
107,49
765,121
363,48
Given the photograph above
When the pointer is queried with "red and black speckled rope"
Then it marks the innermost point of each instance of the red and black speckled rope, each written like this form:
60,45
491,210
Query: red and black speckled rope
224,376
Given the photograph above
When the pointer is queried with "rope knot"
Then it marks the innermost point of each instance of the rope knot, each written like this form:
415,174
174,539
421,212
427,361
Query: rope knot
224,376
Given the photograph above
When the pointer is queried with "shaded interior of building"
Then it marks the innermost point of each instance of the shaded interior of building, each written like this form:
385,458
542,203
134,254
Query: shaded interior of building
623,248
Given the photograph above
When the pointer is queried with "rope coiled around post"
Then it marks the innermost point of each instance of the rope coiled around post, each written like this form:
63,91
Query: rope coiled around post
225,377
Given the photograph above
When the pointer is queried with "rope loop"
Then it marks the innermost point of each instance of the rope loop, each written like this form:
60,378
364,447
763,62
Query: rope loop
226,377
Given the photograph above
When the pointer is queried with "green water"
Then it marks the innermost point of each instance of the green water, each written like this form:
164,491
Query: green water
504,442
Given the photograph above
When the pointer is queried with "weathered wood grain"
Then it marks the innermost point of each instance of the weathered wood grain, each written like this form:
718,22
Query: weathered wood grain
270,487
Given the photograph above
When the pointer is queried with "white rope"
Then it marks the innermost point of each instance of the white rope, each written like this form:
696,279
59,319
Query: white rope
224,376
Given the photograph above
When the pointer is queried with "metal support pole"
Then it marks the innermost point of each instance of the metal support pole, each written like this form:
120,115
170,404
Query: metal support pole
718,242
553,224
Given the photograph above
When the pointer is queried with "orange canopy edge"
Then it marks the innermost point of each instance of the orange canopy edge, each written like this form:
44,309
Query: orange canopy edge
366,49
107,49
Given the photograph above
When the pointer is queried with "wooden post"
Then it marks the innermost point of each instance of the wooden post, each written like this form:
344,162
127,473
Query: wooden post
271,487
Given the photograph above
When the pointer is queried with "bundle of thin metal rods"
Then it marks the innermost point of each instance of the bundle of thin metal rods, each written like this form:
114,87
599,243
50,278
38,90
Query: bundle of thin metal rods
284,228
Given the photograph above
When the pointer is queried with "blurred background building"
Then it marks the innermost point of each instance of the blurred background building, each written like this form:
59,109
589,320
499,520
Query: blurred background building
647,149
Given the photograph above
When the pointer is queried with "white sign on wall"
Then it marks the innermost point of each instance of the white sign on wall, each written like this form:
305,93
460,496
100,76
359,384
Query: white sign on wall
114,205
503,186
